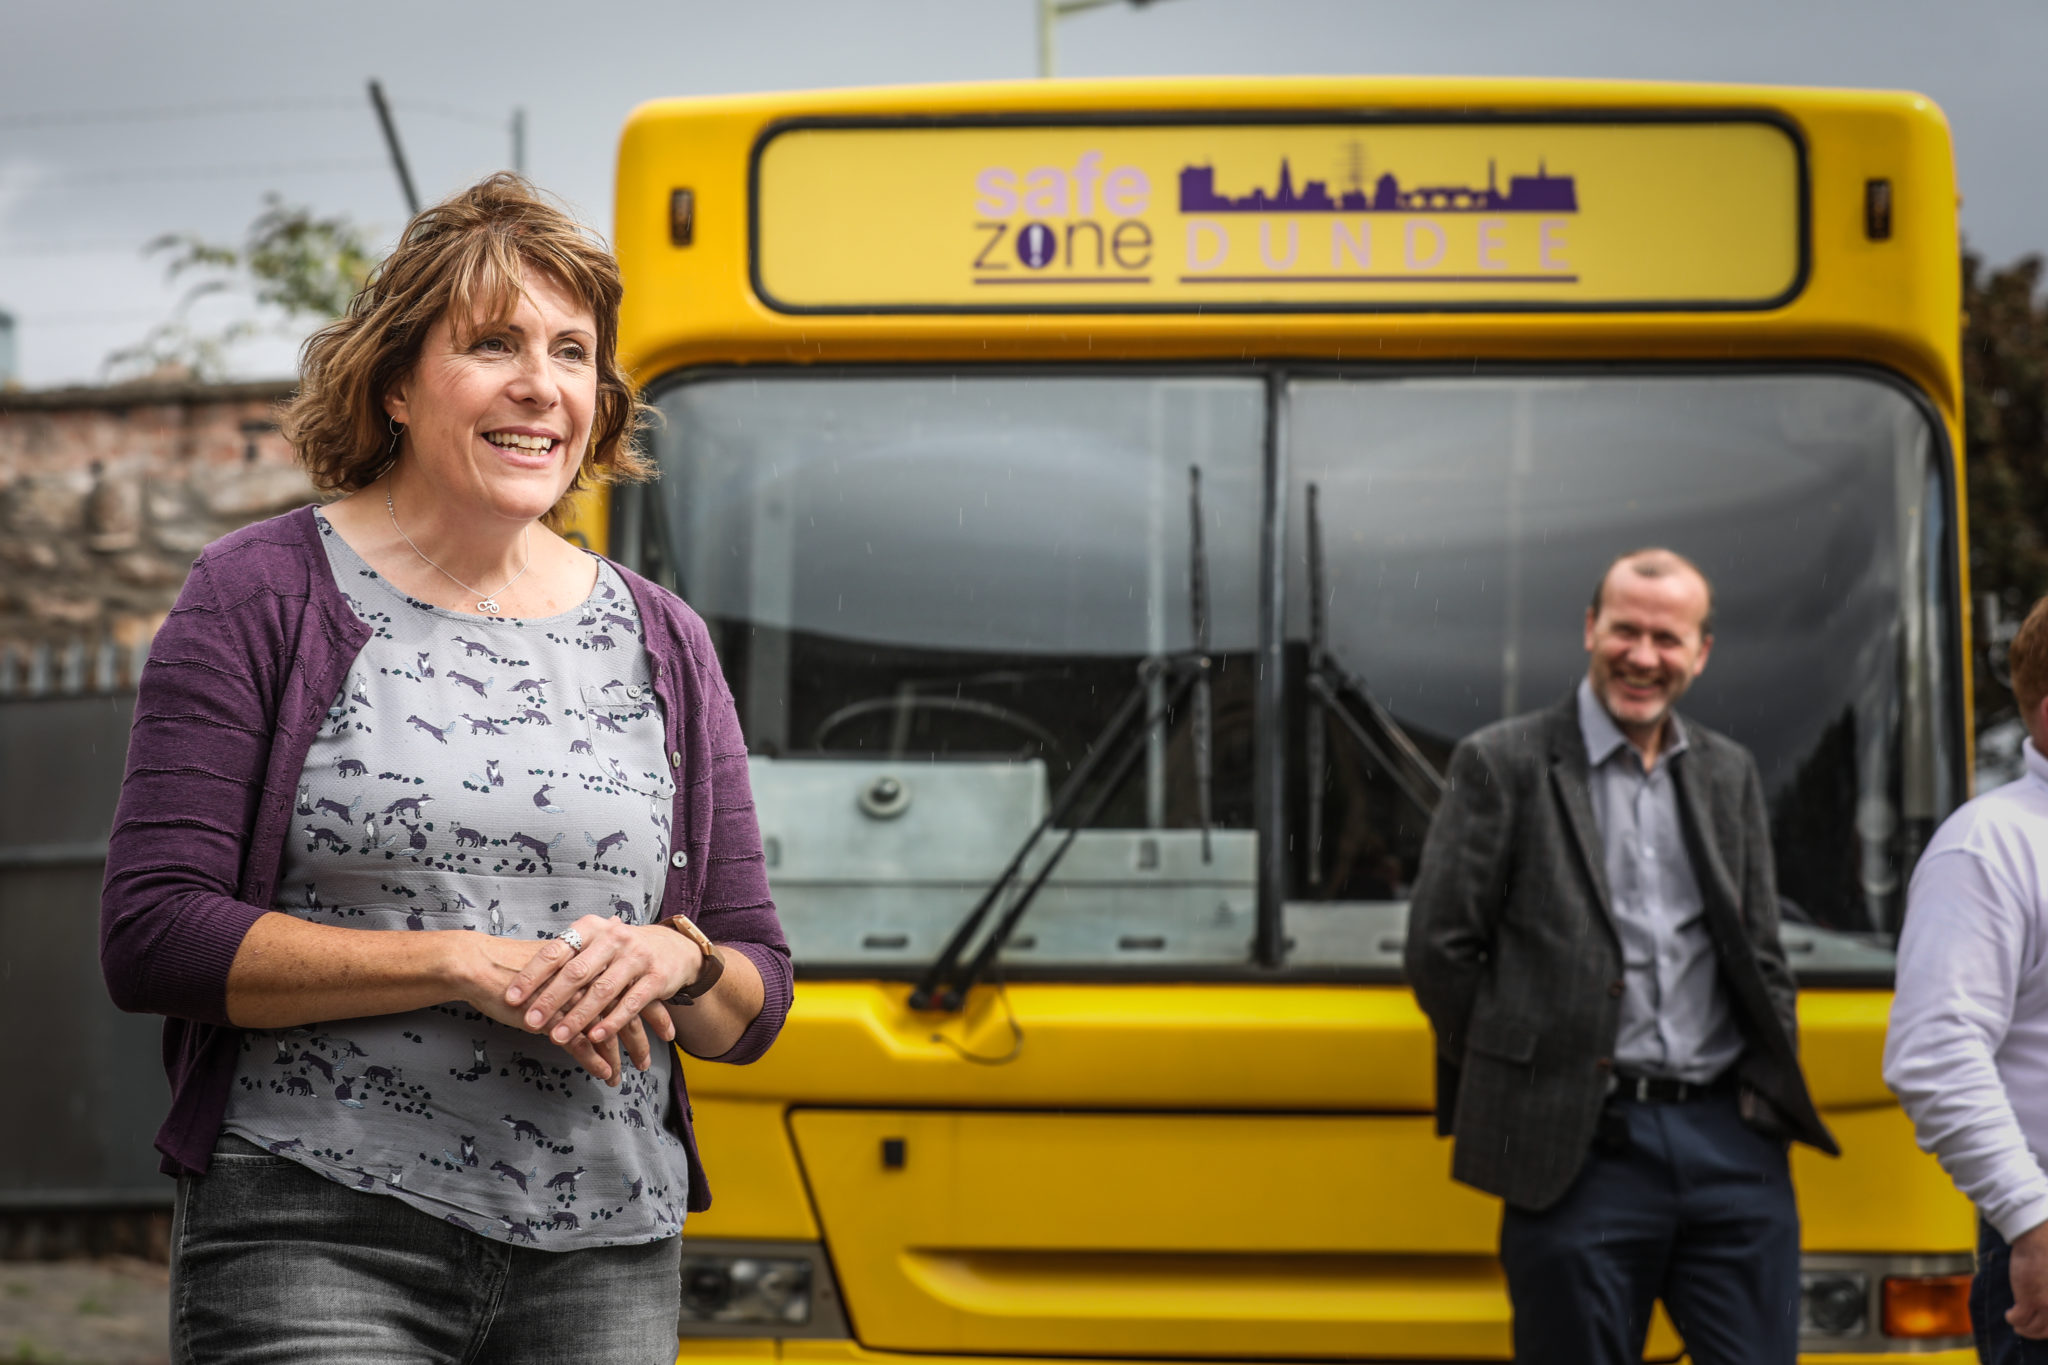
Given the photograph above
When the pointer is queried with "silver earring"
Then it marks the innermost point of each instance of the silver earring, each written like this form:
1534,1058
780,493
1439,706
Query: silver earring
397,435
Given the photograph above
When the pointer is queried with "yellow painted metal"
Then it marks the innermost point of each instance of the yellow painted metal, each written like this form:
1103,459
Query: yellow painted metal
590,519
1841,1046
758,1190
1100,1047
1324,1163
1188,1081
1268,1047
1208,1184
1893,303
1180,1235
753,1350
1539,214
1883,1194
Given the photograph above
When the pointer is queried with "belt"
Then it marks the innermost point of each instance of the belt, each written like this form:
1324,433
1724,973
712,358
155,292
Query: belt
1664,1090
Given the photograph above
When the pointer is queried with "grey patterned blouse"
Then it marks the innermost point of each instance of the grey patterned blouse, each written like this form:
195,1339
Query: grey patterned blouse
504,776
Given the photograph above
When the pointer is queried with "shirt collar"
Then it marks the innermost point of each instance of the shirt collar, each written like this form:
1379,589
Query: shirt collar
1603,736
2037,764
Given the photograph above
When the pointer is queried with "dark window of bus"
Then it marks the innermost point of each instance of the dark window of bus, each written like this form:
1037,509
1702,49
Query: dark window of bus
929,595
1462,523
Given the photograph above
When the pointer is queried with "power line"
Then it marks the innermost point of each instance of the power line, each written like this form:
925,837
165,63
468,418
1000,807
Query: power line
100,246
76,246
227,108
449,111
66,118
90,319
249,170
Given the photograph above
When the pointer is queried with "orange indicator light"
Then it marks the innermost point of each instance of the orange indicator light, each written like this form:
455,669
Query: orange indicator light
1927,1306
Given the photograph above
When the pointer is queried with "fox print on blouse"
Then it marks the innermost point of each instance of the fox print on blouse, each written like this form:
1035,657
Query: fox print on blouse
505,776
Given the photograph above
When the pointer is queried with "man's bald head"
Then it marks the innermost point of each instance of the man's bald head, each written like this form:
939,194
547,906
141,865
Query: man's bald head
1654,561
1649,631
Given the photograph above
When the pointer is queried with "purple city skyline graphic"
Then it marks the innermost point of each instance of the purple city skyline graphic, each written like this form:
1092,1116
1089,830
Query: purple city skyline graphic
1538,193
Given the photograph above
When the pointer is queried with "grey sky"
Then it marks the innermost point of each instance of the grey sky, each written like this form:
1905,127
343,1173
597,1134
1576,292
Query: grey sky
82,189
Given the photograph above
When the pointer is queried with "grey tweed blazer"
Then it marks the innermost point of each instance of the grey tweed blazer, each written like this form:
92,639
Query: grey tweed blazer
1513,953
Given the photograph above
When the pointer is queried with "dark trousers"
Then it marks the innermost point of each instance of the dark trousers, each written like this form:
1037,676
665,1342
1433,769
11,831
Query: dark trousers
1990,1300
1697,1210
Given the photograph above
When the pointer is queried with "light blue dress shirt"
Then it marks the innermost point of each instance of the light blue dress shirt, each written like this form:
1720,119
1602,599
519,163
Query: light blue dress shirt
1676,1021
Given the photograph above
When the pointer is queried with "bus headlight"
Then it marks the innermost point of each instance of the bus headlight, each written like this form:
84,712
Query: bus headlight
1883,1303
745,1289
1834,1302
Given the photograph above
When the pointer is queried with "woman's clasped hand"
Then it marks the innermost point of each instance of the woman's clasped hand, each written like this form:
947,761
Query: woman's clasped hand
499,974
608,993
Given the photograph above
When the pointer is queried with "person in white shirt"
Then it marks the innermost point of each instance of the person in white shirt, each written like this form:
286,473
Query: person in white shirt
1968,1050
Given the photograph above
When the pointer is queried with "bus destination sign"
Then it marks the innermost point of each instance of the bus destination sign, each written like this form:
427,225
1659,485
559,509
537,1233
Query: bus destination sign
1248,216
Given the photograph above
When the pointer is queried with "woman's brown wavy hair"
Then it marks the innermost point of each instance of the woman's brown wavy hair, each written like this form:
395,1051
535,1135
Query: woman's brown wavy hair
469,253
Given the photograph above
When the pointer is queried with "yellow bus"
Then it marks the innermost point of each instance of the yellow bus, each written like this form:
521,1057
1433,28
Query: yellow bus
1111,501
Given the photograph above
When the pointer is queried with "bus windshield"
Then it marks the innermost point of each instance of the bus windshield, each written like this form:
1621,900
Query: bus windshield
930,592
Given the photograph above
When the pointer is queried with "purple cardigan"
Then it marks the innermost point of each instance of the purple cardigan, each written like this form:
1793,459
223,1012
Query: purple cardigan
238,683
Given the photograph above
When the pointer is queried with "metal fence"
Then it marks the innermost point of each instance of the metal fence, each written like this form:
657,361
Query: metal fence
86,1090
69,670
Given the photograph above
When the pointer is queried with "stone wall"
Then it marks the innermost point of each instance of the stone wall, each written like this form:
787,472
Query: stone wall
106,494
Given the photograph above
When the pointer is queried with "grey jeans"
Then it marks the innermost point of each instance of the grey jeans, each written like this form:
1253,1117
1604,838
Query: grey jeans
272,1264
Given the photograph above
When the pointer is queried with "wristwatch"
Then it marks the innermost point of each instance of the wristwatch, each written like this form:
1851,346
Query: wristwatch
708,974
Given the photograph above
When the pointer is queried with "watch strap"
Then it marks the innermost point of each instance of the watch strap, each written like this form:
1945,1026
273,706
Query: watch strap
714,961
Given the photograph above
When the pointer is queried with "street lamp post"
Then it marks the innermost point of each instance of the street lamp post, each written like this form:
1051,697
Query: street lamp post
1050,12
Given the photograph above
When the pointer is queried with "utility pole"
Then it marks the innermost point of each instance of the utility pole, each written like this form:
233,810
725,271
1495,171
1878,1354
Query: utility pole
519,141
1050,12
377,102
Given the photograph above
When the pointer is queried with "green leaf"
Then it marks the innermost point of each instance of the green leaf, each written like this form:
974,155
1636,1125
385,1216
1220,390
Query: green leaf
300,268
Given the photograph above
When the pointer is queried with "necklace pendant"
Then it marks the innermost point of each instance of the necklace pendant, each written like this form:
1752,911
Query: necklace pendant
489,606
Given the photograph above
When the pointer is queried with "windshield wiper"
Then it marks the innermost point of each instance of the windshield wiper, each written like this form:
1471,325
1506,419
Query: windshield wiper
945,984
1342,694
1198,604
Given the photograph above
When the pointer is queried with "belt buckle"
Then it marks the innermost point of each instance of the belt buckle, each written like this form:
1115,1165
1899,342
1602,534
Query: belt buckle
1645,1089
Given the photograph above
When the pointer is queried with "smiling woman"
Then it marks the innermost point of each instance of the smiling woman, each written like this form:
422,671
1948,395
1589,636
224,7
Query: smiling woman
462,275
425,807
479,431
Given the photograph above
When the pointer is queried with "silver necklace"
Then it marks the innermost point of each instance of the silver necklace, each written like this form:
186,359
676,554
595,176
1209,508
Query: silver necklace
487,603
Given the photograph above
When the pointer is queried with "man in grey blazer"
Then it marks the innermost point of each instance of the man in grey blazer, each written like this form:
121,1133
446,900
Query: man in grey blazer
1594,936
